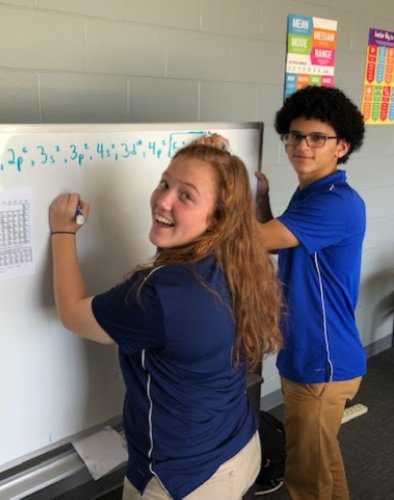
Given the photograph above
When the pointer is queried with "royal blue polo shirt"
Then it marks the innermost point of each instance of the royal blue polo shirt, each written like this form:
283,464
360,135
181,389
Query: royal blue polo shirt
186,409
321,283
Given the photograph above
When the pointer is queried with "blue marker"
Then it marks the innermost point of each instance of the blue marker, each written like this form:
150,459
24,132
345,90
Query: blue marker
79,218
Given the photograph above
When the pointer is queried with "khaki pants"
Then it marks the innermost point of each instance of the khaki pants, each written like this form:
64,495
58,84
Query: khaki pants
312,419
230,482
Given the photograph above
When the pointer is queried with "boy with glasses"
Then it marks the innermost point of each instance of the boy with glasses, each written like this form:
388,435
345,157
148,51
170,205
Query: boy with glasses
319,240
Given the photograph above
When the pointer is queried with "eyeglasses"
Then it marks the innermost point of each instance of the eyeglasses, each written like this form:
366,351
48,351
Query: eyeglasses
313,140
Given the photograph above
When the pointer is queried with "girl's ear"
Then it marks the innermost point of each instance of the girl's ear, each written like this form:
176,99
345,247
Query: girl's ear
212,223
213,220
342,148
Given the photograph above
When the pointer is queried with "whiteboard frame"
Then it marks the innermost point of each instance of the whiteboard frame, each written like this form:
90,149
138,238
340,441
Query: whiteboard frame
124,127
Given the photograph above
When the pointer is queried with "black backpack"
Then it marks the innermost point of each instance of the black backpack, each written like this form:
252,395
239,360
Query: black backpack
273,454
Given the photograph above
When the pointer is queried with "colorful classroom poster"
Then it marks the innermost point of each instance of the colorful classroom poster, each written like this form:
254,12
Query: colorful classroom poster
311,45
378,96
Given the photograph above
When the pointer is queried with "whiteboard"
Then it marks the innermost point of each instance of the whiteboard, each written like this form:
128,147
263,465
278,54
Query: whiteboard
53,385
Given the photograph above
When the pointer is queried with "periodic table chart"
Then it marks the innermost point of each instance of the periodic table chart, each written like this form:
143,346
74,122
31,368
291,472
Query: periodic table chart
16,249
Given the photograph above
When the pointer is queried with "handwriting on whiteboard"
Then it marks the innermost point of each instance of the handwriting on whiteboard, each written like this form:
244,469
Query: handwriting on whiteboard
41,154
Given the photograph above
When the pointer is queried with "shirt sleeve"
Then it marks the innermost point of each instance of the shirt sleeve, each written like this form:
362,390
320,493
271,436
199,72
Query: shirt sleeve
318,221
134,324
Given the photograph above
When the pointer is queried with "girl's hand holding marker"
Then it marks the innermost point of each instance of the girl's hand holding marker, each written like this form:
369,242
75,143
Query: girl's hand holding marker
68,213
79,218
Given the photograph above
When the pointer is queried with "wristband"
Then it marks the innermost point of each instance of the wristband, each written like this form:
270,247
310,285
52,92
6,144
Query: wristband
62,232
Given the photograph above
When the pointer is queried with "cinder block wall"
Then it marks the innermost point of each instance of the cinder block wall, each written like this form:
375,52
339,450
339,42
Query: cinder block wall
75,61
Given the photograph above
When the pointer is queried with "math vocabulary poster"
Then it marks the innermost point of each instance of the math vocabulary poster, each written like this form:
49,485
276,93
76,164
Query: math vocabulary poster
311,46
378,96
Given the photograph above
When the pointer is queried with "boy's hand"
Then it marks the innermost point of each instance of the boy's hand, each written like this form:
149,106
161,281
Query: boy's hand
263,186
216,141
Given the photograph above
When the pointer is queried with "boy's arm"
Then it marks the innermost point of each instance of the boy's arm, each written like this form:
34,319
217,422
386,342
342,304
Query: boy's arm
263,205
275,234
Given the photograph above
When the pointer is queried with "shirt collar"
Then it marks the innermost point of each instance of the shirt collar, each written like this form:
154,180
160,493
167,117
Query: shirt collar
337,177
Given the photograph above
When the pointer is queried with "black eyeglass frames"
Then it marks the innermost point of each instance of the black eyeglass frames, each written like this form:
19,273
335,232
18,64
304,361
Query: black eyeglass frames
313,140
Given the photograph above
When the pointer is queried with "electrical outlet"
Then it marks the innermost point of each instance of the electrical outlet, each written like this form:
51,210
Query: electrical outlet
353,412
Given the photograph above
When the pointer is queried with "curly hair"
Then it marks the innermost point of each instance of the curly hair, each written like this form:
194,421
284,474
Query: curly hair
234,239
329,105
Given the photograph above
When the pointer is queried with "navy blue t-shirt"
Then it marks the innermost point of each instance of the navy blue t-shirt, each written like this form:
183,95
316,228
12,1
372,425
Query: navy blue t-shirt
186,409
321,283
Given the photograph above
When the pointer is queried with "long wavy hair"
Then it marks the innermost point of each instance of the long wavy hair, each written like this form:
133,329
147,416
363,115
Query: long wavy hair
233,237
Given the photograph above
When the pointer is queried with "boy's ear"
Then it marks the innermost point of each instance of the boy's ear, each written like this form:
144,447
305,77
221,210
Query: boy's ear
342,148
